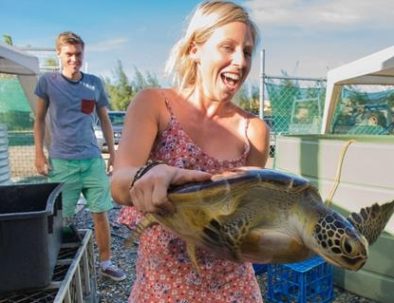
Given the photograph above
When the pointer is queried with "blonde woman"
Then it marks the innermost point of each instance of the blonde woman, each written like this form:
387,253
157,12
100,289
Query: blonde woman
184,134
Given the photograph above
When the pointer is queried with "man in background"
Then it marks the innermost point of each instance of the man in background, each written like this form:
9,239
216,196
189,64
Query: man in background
73,100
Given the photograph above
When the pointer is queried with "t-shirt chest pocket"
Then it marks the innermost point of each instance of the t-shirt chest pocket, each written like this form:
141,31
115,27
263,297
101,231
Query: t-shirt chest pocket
87,106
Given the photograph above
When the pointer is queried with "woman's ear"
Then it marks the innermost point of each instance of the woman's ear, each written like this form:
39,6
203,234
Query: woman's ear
194,52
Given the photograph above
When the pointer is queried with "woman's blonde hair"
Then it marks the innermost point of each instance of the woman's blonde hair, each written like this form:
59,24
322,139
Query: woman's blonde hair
208,16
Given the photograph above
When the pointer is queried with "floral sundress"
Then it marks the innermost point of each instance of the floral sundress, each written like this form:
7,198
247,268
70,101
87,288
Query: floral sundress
164,273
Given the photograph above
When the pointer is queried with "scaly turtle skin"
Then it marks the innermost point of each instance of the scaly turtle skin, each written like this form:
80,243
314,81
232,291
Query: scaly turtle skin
266,216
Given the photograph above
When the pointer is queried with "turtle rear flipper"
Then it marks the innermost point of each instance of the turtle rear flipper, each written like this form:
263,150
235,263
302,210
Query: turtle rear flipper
191,252
371,220
226,234
145,222
221,240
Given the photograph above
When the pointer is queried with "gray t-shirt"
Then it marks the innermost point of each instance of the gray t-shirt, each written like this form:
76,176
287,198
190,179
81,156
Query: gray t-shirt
72,113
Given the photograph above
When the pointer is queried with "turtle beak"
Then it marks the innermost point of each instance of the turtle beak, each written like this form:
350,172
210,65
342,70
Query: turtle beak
353,264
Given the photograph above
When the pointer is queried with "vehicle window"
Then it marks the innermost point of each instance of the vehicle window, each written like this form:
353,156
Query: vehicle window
117,118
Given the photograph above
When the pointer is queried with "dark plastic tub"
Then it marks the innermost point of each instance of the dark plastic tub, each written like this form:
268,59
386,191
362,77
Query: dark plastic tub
30,234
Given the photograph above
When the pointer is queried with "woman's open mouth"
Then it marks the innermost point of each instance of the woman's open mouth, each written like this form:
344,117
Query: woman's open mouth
231,80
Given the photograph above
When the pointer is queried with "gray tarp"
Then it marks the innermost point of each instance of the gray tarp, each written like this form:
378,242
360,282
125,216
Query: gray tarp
25,66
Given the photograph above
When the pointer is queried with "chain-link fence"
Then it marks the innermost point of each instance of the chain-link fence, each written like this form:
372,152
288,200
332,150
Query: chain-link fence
296,104
17,118
365,109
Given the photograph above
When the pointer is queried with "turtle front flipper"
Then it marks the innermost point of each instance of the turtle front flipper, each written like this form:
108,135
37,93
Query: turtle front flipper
145,222
371,220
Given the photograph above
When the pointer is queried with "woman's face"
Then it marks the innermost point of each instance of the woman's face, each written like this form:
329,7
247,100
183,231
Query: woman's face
224,61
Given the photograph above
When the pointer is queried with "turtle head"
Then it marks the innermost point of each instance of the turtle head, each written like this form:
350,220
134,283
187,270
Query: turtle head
339,242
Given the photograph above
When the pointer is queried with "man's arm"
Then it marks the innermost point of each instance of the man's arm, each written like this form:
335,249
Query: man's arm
106,127
41,162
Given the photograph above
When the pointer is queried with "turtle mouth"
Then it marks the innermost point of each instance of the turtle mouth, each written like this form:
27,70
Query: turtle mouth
348,263
355,263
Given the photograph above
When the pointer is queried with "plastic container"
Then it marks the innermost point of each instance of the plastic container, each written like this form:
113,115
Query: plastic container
74,278
260,268
30,234
310,281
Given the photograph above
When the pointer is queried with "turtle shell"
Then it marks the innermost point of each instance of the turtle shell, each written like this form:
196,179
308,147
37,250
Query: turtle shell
269,177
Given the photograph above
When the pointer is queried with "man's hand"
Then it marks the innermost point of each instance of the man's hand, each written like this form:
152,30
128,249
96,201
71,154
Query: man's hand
110,163
42,165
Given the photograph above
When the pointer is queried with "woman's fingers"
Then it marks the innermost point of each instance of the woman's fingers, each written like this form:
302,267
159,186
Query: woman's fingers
182,176
149,193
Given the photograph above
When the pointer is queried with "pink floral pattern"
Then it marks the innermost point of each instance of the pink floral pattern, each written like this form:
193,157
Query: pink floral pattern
164,273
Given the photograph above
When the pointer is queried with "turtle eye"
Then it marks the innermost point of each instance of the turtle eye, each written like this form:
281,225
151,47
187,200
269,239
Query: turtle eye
347,247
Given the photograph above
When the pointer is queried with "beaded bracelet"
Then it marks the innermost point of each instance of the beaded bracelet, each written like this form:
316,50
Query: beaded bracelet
143,170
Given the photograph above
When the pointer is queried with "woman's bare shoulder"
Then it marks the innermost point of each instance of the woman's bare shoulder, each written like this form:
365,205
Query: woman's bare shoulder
257,127
150,95
250,116
150,98
150,105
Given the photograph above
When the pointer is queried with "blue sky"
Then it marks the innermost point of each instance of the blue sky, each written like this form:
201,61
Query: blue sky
303,37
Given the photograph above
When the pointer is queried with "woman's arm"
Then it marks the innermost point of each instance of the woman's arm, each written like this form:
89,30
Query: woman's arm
139,132
145,117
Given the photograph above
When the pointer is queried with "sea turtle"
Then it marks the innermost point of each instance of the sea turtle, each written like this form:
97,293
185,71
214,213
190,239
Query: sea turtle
268,216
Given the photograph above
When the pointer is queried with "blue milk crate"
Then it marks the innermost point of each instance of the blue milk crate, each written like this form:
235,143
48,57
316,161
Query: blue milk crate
309,281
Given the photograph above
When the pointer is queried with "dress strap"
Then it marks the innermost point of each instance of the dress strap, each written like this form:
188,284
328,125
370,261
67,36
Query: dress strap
246,126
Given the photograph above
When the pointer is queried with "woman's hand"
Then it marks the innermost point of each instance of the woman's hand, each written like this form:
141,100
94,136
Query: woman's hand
149,193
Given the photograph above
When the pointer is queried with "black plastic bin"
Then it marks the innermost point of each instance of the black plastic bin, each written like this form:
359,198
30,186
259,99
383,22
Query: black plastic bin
30,234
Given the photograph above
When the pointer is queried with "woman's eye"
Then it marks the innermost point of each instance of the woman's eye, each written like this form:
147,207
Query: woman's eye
227,48
248,53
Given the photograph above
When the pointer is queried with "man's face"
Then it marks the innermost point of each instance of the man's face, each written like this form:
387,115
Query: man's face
71,58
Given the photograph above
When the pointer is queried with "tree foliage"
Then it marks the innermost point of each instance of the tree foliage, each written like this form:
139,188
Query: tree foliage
51,63
7,39
121,90
248,99
144,81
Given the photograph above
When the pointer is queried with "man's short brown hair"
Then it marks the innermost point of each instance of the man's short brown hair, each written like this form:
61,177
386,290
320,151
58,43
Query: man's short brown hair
68,38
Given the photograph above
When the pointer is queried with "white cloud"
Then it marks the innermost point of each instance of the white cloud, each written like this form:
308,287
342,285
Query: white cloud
323,14
107,45
308,37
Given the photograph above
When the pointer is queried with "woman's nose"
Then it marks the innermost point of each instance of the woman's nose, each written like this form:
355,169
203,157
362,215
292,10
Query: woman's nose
239,58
